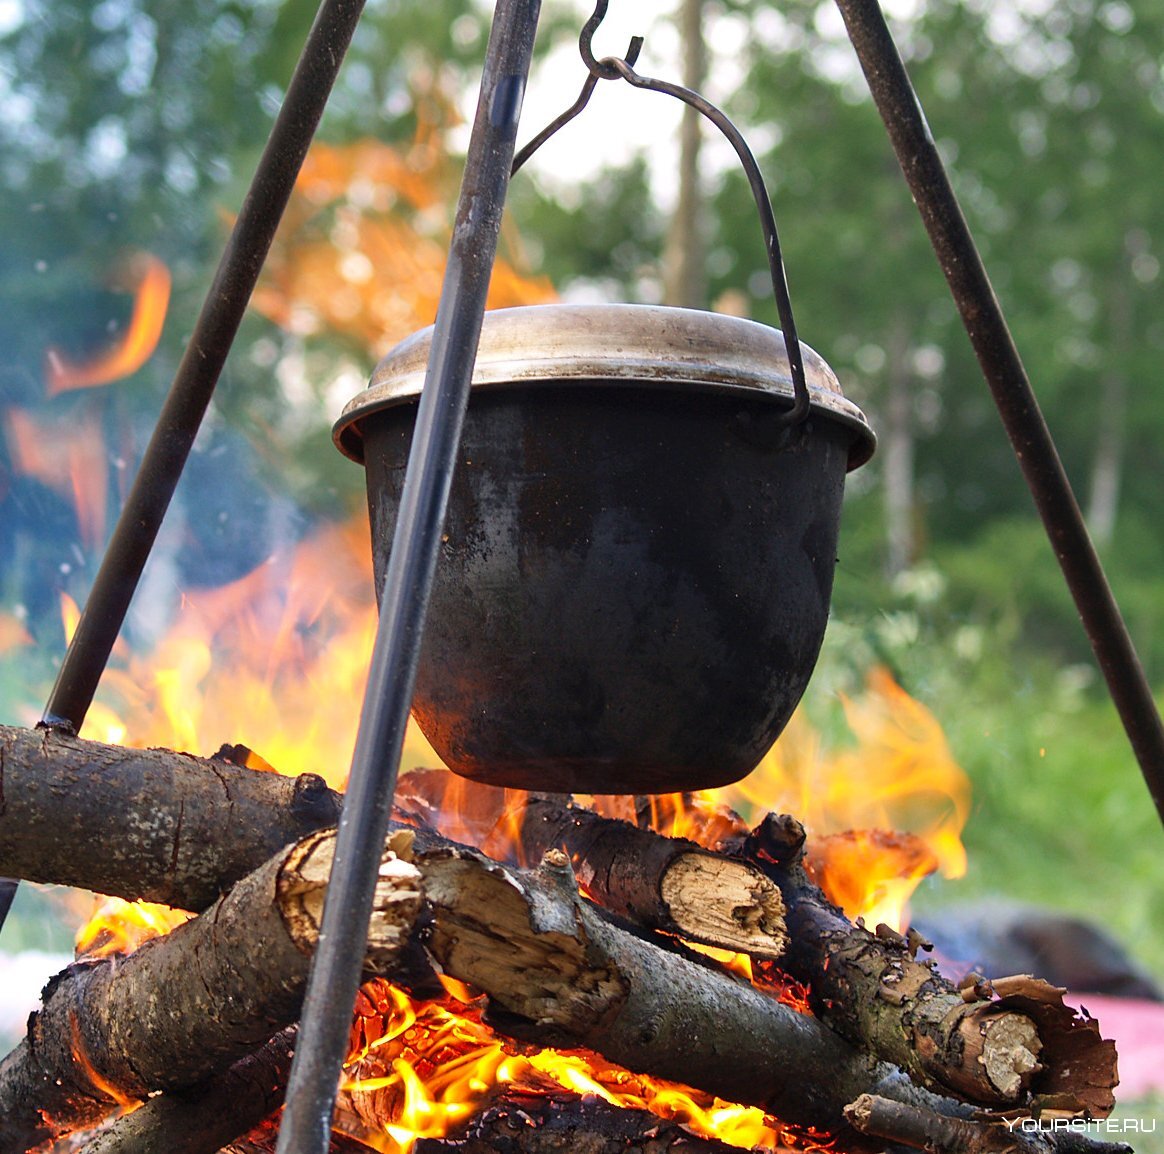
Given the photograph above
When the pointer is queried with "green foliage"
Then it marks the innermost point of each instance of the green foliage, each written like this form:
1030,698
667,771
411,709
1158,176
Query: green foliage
607,232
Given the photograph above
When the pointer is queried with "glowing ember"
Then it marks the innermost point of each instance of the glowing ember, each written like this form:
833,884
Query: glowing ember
418,1070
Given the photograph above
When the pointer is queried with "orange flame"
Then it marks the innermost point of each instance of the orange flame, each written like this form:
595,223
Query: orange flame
900,776
150,285
279,657
127,1105
13,632
366,220
119,927
70,617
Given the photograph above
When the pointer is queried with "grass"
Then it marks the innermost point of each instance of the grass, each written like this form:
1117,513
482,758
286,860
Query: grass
1141,1123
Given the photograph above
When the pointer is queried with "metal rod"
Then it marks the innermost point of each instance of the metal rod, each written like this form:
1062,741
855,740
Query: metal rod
1013,395
197,375
335,971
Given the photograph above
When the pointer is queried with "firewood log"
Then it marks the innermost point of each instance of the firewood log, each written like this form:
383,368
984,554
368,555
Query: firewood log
210,823
186,1006
145,823
664,883
997,1044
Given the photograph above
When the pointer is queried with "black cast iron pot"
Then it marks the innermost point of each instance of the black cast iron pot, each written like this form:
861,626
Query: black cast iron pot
636,569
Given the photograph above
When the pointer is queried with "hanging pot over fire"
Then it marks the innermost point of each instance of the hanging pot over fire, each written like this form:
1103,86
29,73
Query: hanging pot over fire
638,558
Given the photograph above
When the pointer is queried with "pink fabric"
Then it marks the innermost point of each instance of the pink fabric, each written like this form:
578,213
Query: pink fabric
1138,1030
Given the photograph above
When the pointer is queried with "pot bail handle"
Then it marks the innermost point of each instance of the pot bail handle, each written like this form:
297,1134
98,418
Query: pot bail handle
622,68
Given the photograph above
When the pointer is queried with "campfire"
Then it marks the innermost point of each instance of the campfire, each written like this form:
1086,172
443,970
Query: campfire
513,1000
544,971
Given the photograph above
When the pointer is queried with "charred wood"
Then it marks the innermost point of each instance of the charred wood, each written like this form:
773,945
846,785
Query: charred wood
264,1139
921,1129
551,1122
188,1005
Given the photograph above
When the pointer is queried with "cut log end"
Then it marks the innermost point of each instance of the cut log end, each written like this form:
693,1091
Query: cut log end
1010,1053
725,903
530,952
302,886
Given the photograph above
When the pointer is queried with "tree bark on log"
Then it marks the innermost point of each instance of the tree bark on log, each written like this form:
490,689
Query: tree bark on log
186,1006
871,989
203,1118
191,827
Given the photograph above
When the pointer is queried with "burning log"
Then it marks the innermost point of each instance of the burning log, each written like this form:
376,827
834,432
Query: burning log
204,1118
56,790
872,989
263,1140
185,1006
663,883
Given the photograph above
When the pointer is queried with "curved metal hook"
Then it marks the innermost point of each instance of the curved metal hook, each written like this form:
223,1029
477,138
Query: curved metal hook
604,69
613,68
607,67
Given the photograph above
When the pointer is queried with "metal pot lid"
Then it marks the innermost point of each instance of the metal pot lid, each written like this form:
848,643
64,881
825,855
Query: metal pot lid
611,346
